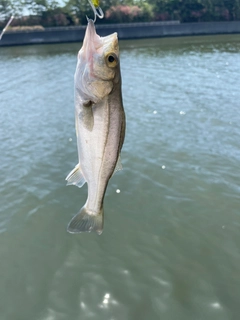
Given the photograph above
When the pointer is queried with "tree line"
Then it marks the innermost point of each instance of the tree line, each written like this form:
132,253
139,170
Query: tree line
49,13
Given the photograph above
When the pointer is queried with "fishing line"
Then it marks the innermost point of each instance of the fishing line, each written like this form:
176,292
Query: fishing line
7,25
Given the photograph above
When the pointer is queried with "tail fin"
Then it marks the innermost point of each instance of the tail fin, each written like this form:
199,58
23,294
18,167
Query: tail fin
85,221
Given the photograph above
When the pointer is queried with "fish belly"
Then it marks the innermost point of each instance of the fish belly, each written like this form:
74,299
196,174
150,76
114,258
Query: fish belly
98,150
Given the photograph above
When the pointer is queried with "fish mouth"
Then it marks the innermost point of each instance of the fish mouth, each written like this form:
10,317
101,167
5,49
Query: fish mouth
110,42
92,41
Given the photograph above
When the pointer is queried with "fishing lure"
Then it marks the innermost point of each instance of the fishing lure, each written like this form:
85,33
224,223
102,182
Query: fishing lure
96,9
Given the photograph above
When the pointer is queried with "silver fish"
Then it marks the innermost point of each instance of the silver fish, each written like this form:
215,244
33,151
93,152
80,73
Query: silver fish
100,124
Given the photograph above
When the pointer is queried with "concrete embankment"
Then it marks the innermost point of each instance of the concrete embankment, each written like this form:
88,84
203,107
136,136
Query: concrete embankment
125,31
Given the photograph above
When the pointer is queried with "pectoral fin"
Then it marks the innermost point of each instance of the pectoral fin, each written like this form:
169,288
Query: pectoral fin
76,177
86,116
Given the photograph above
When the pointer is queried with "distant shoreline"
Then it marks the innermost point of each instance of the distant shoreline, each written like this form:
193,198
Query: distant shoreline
125,31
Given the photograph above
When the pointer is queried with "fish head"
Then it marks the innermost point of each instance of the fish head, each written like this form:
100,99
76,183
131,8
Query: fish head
98,66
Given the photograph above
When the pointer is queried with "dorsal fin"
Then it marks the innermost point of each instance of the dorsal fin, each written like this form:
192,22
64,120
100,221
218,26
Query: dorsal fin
118,165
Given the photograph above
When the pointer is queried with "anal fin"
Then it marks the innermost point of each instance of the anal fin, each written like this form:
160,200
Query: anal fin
75,177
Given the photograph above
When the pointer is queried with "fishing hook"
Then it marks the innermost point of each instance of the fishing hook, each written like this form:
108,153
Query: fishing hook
7,25
96,10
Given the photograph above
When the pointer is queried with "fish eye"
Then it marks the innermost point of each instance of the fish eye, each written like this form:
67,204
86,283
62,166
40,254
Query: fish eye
112,60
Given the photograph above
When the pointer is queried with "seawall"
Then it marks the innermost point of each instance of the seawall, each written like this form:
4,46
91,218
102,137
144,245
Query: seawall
125,31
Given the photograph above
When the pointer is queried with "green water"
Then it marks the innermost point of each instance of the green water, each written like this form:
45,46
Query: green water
170,249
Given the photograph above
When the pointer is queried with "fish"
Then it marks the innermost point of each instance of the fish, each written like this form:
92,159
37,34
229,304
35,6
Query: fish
100,125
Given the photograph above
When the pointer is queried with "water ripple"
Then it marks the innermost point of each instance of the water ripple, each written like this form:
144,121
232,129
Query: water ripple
169,249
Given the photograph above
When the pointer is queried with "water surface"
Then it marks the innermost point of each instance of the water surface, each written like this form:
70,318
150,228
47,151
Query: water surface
170,246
